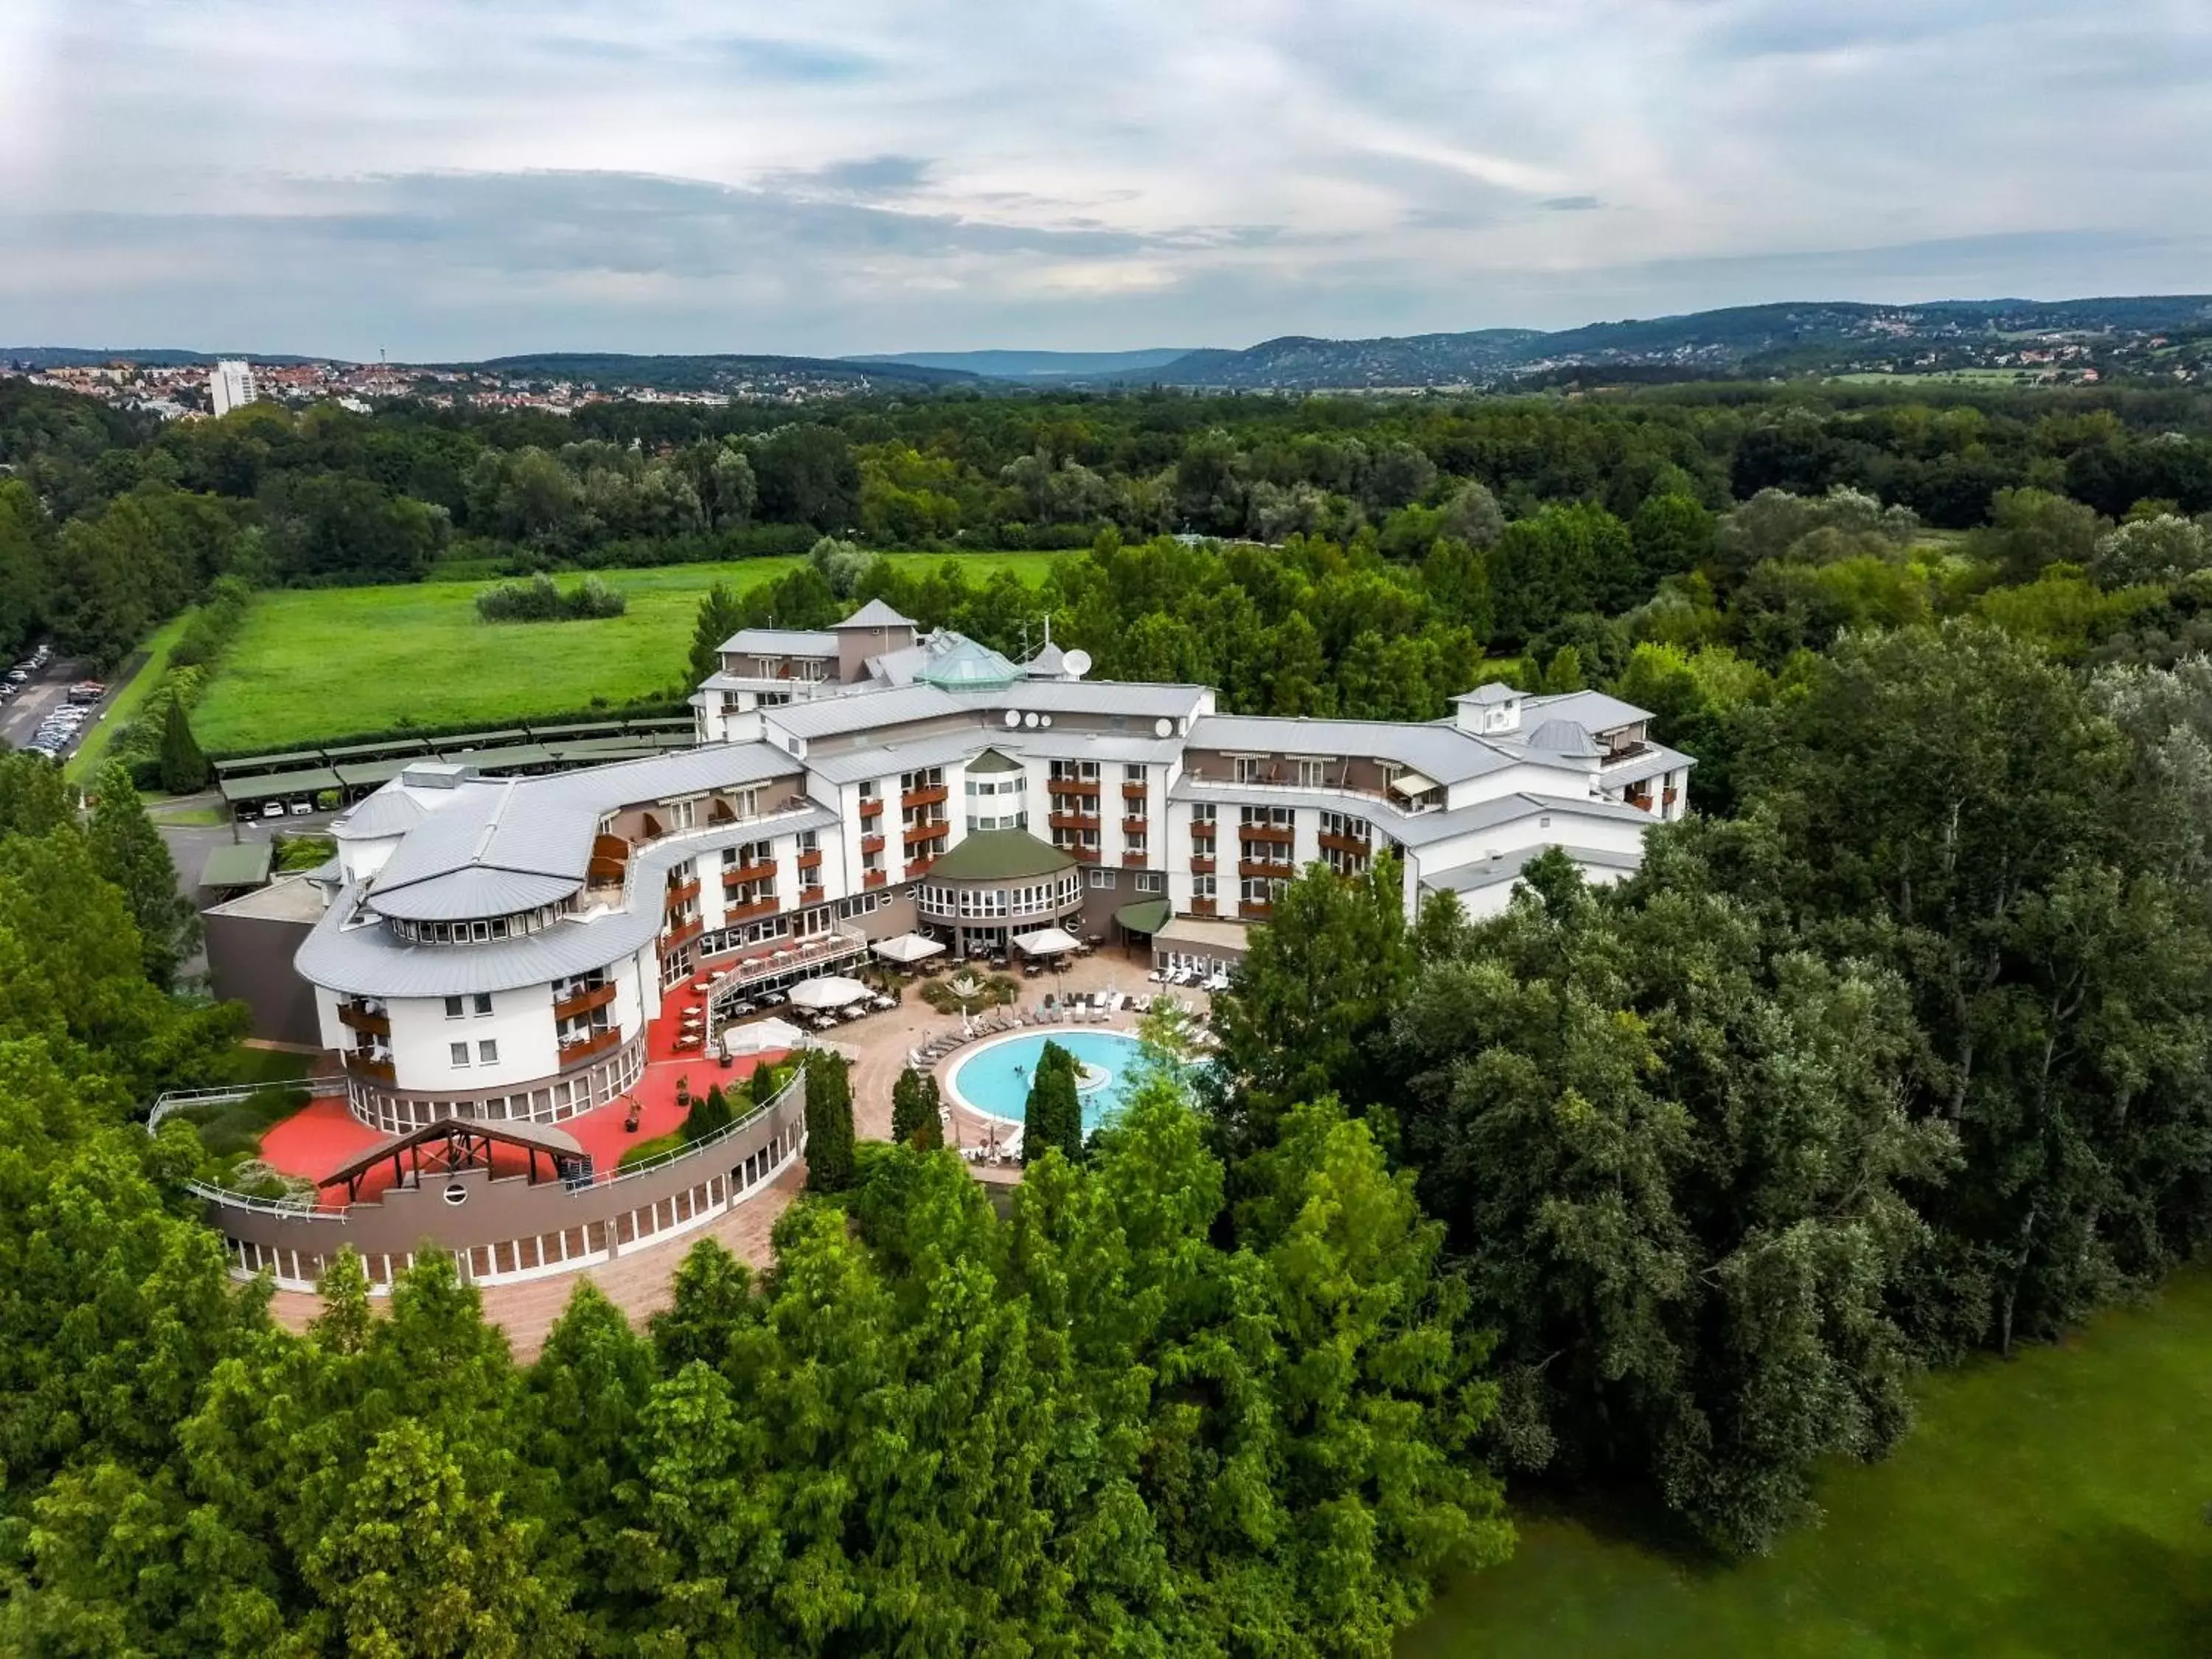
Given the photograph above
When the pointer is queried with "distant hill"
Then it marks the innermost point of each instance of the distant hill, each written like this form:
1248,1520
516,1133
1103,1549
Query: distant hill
708,373
157,357
1753,338
1036,365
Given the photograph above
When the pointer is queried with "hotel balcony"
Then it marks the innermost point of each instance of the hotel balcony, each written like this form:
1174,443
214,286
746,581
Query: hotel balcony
1351,844
918,868
875,877
1072,787
934,795
610,861
872,806
811,894
681,893
1273,869
368,1018
1280,833
810,858
681,934
1201,907
752,910
737,875
1134,791
1136,826
1080,855
582,1002
1255,909
581,1049
1134,860
917,833
870,844
361,1064
1201,863
1073,820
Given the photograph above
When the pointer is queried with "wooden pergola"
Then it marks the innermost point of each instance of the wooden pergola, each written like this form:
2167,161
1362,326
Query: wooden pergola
454,1144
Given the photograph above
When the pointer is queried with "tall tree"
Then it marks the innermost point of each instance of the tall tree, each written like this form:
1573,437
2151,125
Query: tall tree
1053,1120
720,615
829,1149
133,855
184,768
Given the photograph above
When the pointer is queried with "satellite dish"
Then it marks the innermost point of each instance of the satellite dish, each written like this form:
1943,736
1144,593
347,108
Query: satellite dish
1029,720
1044,719
1077,662
1013,718
1162,728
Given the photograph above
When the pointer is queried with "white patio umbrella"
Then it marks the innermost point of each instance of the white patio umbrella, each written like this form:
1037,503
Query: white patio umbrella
908,948
831,990
761,1035
1046,942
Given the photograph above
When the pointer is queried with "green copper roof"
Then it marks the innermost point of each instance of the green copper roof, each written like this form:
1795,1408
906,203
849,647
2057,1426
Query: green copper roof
992,761
999,855
1145,916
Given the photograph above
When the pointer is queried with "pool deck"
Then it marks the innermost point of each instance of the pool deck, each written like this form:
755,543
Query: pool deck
638,1282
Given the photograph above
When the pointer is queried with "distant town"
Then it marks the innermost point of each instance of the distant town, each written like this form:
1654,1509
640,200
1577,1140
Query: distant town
175,391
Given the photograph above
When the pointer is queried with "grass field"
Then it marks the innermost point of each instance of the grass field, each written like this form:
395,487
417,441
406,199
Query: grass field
2054,1506
326,662
126,702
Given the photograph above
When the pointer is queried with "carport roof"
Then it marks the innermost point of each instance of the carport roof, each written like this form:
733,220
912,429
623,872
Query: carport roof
277,785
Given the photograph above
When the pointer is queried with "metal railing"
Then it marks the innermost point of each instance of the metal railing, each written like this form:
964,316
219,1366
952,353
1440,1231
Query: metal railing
310,1209
176,1100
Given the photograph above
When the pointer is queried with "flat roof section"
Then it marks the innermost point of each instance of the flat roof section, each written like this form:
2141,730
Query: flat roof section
367,751
251,763
247,864
359,775
279,785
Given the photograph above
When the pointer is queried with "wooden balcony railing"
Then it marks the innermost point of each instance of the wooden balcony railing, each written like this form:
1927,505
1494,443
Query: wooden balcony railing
1281,834
1351,844
931,795
871,844
1139,825
872,805
935,829
374,1021
917,868
1072,786
752,910
583,1001
1133,791
610,859
681,934
809,895
1133,860
575,1053
1255,909
1201,863
368,1066
1082,854
810,858
1273,869
1073,820
680,894
1201,907
737,875
875,878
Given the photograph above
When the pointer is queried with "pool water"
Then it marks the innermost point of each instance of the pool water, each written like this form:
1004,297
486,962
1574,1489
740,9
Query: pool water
994,1079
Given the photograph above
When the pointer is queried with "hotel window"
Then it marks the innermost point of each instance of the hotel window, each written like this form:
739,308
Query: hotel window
1150,881
1310,773
1250,769
460,1052
1101,878
488,1052
1134,846
483,1002
1201,818
455,1008
1201,887
682,814
1132,774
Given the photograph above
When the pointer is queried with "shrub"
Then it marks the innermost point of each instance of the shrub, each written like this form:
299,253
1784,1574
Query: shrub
539,600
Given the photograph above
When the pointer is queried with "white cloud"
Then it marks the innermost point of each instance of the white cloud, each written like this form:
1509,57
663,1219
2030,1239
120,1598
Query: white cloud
456,177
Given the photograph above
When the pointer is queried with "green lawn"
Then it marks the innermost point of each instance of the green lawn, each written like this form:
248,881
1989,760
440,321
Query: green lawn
2053,1506
323,663
124,707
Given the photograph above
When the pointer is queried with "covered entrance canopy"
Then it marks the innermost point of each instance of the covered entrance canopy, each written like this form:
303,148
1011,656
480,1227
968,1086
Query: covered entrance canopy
454,1144
908,948
1047,942
831,990
1145,916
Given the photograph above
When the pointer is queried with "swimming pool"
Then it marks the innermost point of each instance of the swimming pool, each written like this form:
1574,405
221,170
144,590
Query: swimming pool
994,1077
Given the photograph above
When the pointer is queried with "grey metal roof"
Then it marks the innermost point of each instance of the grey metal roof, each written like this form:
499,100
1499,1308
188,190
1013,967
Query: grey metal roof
1427,829
1048,664
1152,700
865,711
1440,751
994,760
1653,760
390,812
781,642
465,895
350,953
1492,691
1413,829
1593,711
875,614
878,760
1561,737
1508,867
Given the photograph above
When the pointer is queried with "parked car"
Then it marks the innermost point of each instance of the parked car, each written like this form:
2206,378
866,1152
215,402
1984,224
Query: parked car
300,809
19,675
275,809
87,691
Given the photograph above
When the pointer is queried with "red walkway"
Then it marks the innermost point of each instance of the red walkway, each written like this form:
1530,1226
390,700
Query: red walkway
324,1136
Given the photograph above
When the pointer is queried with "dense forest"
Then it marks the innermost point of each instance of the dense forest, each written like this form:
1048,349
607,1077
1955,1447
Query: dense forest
109,524
1899,1050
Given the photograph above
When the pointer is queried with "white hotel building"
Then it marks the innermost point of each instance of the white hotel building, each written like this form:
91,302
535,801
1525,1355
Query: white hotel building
495,948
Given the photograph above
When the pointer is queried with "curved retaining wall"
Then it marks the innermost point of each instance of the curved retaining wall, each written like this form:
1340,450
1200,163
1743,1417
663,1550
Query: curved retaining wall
504,1230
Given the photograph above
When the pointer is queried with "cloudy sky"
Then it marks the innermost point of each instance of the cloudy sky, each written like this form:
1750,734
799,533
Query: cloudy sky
463,178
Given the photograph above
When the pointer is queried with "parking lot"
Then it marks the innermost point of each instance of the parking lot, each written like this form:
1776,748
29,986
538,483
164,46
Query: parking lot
37,711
